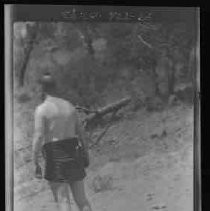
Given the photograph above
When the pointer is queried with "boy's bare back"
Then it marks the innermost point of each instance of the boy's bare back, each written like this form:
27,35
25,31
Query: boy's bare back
60,118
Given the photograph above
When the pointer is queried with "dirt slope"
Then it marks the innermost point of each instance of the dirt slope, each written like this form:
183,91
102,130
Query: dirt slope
145,162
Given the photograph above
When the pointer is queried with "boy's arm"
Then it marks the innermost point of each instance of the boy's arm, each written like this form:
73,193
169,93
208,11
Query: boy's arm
38,135
80,131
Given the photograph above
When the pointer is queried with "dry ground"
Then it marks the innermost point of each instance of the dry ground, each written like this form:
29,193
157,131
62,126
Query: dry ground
145,162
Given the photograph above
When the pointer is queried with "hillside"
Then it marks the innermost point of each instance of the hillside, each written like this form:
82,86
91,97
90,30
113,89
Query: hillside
144,162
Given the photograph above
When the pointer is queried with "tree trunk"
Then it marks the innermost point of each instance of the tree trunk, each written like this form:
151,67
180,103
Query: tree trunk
28,50
88,42
24,65
87,39
156,83
171,80
192,64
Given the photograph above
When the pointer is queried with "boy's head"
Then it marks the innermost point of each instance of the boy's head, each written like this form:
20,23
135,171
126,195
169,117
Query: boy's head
48,84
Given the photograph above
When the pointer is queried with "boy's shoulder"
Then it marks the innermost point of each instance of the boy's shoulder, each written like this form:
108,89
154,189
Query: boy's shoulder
68,103
40,109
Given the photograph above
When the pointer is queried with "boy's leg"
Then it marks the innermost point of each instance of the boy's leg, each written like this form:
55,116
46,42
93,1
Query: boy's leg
61,195
78,192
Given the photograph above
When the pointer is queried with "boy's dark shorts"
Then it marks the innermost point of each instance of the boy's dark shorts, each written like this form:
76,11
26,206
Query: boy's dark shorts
62,163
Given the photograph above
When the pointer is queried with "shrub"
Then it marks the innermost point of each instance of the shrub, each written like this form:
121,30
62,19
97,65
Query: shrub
23,96
102,183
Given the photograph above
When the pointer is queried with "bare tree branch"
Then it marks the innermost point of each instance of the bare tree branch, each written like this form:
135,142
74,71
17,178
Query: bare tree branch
144,42
104,131
101,135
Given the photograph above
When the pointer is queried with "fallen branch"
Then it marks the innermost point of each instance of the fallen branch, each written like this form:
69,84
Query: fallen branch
108,109
86,110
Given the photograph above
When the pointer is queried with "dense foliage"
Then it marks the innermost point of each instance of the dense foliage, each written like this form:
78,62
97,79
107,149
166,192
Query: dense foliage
89,58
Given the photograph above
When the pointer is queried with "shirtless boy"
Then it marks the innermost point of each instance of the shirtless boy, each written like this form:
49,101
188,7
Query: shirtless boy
59,134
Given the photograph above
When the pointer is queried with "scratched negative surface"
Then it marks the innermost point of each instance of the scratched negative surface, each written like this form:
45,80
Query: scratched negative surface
129,72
